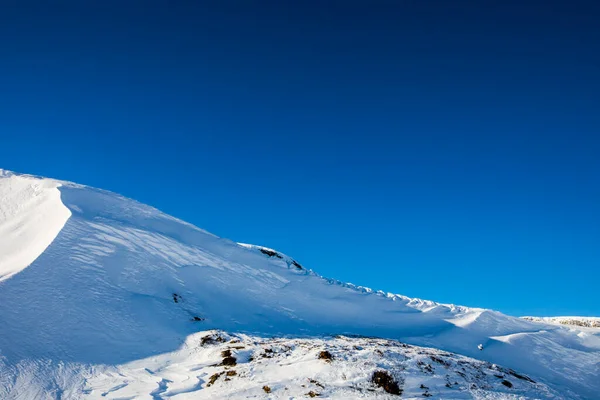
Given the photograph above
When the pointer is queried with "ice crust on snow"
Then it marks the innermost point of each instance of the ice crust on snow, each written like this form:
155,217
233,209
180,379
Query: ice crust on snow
96,275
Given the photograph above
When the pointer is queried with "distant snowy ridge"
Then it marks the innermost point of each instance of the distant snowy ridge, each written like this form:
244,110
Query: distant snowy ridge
587,322
104,286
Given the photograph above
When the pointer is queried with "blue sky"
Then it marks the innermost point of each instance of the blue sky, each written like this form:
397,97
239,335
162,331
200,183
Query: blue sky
442,150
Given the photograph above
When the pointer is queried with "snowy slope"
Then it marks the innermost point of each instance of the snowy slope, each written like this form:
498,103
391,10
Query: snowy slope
122,282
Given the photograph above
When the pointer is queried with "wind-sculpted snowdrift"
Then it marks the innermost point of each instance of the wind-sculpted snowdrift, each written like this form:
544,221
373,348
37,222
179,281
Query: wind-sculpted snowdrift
122,282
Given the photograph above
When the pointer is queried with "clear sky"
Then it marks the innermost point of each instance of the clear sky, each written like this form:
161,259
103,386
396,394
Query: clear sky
448,150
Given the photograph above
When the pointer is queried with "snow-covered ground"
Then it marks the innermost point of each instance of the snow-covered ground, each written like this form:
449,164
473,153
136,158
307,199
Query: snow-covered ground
104,295
284,368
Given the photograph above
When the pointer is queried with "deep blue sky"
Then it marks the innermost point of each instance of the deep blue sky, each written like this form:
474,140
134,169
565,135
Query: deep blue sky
448,150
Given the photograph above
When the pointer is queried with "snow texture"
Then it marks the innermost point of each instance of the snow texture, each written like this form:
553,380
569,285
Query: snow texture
104,296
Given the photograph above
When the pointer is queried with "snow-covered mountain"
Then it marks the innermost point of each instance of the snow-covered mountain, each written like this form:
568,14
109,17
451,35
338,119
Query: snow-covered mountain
104,297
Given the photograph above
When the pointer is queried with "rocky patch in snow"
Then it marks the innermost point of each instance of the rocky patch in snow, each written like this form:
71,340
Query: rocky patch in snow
584,322
338,367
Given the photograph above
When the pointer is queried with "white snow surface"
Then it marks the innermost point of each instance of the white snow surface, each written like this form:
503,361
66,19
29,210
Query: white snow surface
99,294
31,215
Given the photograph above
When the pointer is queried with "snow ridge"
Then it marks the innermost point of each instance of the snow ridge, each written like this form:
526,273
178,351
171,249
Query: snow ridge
31,215
420,304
